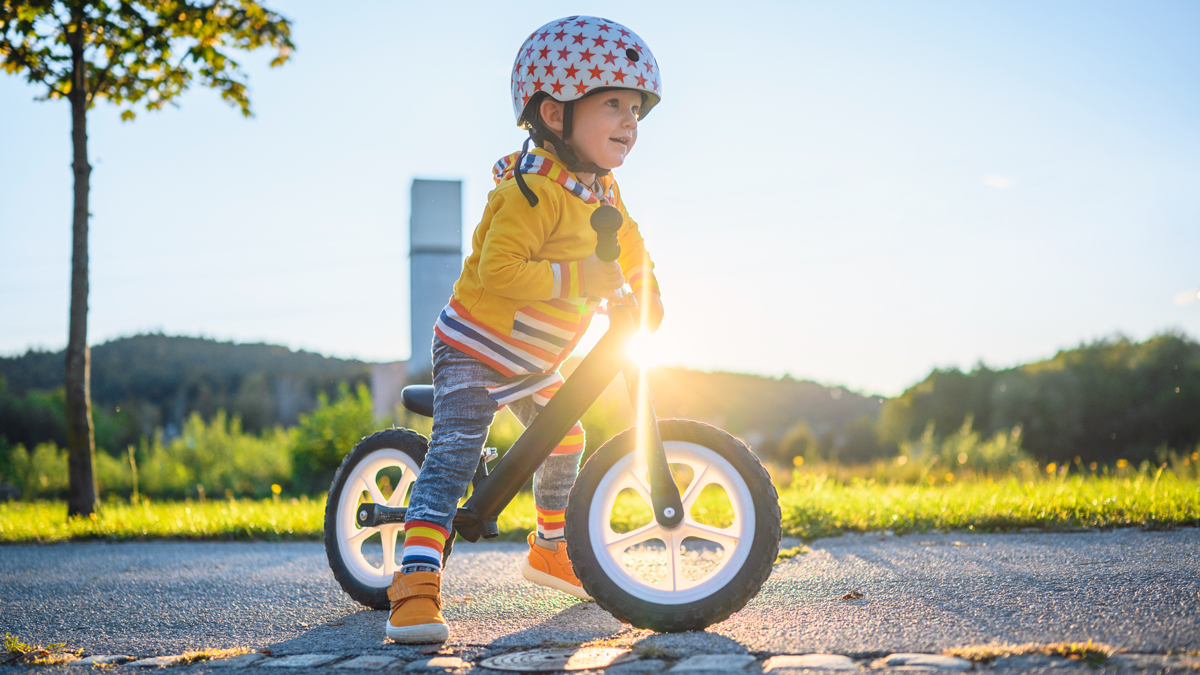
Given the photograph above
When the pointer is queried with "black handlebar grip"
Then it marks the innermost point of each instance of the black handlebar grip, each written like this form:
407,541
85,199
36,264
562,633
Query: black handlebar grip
606,220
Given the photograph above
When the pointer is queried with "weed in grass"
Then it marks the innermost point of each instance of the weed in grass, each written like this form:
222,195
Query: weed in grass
36,655
792,552
1092,653
188,658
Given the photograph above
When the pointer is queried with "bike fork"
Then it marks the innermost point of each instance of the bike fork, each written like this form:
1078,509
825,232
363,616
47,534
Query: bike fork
664,494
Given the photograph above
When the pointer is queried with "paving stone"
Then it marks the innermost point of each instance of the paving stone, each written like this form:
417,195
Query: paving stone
925,662
714,662
300,661
239,661
369,662
438,663
783,663
157,661
102,659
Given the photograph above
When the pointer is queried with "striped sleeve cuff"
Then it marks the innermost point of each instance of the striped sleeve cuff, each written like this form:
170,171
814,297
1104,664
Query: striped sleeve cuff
566,280
642,279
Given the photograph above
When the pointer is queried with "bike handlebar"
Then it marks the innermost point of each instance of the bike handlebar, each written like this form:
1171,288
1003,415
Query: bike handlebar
606,220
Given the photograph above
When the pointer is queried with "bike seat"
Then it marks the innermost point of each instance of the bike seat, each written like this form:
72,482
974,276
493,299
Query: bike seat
418,398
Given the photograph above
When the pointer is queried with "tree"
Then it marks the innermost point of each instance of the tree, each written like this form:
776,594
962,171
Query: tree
137,53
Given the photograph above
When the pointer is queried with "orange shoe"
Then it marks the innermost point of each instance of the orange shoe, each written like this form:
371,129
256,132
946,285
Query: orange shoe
416,616
551,567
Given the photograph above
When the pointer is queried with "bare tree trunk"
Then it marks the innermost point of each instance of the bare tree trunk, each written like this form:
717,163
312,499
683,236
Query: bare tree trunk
81,500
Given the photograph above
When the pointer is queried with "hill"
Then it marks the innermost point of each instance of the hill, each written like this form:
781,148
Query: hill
147,382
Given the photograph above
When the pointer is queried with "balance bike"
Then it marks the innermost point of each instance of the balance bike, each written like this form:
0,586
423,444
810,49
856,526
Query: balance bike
672,525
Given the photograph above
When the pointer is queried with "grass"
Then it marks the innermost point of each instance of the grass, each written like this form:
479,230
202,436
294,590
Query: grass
16,651
1092,653
813,505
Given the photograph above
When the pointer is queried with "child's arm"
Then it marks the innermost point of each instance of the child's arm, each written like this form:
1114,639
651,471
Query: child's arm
516,233
639,269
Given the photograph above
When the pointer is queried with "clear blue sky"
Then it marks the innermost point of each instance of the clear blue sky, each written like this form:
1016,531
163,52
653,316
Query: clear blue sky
849,192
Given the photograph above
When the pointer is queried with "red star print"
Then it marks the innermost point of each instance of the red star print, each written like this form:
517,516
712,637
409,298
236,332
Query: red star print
581,88
610,58
563,53
578,39
599,41
641,81
624,33
557,86
543,35
549,70
595,72
571,71
581,23
537,85
585,56
621,44
649,67
604,28
631,62
524,100
530,69
562,23
560,35
618,75
529,51
543,52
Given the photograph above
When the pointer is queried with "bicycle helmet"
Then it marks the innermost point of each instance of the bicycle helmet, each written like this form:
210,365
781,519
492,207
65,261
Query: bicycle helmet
567,60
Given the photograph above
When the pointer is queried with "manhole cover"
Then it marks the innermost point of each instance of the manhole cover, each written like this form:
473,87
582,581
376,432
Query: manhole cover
547,660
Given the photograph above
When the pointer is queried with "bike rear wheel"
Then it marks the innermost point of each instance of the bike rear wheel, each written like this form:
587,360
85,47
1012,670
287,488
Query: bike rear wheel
690,576
380,469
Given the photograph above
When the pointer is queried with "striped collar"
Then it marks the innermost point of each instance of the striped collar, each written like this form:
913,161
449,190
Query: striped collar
542,163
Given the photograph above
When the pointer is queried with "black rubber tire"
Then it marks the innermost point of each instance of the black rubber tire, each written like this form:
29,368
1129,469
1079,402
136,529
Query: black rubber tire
723,602
410,443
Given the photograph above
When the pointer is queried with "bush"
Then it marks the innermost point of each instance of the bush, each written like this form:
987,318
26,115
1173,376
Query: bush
327,434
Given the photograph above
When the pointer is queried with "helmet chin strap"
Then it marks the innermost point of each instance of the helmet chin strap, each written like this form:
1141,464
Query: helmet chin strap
540,134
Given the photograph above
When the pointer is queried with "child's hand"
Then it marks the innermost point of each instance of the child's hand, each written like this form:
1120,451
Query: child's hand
599,278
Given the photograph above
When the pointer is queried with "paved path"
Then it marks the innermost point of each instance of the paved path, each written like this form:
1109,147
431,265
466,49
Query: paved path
922,593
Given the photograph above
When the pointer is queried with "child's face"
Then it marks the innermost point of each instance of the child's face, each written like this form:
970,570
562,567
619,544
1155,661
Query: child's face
605,127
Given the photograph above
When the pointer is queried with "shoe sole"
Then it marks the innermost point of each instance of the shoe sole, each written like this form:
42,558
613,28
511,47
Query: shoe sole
543,579
419,634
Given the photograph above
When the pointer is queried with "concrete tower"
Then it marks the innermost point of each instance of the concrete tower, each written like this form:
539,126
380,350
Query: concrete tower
435,261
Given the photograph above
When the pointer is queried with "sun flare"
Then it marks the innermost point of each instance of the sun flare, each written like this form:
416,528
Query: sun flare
643,350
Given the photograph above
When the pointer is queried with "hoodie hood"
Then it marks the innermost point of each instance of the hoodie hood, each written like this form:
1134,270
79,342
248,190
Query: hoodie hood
542,163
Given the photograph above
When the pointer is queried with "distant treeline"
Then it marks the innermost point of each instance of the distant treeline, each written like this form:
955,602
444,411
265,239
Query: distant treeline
197,410
149,382
1105,401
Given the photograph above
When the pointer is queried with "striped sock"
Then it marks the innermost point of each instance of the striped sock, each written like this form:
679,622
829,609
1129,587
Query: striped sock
550,524
572,443
423,545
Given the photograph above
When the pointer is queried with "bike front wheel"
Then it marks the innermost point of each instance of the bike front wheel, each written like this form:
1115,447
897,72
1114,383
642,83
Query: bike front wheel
686,577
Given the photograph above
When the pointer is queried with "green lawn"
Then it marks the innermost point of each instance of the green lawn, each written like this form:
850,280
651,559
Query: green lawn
812,505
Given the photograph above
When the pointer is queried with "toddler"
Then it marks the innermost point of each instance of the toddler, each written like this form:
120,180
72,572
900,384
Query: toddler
527,293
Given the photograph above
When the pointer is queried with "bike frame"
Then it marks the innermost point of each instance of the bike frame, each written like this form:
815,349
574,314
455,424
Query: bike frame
493,491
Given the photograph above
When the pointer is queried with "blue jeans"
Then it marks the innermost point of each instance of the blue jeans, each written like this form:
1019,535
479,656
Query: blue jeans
462,413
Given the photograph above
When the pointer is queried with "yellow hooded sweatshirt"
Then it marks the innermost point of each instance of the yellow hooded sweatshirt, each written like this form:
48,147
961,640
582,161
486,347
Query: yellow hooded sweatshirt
518,306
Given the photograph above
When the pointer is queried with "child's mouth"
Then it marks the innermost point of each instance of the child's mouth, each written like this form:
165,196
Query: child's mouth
622,141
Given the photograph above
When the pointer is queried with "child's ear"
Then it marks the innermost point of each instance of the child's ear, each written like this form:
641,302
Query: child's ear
551,112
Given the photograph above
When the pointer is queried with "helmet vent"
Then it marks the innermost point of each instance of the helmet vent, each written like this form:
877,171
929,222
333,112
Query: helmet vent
632,54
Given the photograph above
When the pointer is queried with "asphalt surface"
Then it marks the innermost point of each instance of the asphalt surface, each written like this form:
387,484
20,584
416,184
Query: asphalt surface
1135,590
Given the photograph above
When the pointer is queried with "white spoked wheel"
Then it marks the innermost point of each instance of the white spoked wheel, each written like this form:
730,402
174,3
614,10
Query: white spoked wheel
363,559
684,577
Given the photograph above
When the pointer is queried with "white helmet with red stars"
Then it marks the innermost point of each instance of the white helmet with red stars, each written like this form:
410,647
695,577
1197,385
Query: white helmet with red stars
573,56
